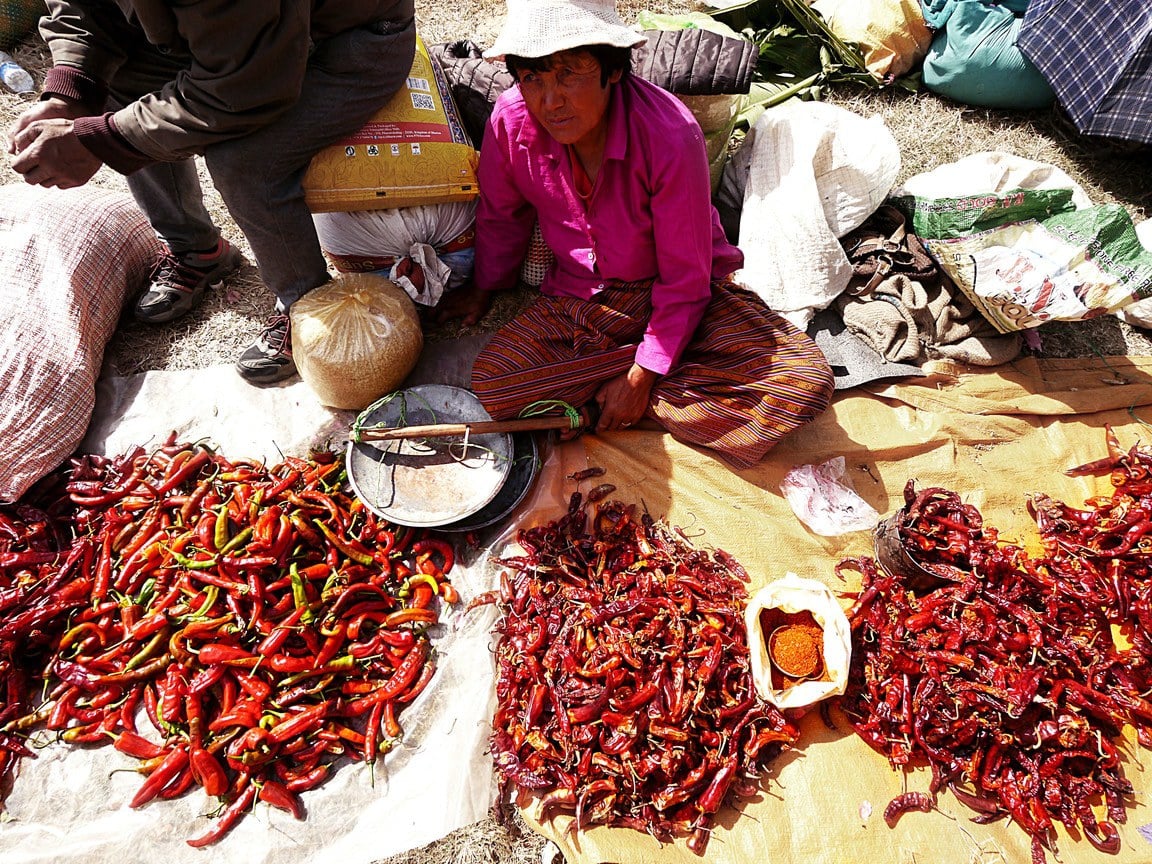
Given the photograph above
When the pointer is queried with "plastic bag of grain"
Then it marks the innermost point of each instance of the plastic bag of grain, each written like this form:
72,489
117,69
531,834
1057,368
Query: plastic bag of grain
355,339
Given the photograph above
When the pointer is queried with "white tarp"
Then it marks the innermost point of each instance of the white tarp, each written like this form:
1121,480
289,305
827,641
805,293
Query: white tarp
71,804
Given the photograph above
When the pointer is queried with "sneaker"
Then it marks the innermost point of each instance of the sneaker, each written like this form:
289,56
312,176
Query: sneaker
178,281
269,358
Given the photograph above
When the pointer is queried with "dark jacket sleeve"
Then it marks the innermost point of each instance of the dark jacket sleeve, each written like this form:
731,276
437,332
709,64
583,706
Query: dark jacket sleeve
696,62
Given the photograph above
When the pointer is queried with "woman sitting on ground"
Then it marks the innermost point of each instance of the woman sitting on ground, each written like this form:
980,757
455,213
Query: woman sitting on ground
638,313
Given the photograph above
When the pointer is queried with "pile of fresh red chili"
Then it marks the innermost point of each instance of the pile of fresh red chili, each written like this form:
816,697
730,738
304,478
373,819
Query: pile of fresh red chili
261,624
1007,679
624,687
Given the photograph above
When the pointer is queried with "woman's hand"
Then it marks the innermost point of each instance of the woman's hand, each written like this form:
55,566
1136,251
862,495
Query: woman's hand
624,399
468,304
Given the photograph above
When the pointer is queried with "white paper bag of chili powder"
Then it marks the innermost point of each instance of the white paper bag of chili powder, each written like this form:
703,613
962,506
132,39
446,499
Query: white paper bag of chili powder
793,595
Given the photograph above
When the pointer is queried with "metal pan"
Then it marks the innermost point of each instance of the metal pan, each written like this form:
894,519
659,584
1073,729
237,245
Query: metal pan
525,467
430,482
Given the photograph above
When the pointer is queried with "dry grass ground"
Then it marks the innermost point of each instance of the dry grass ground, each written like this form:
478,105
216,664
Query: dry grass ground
930,132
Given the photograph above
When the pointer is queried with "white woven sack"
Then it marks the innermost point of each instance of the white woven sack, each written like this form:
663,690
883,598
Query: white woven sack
806,174
69,259
417,232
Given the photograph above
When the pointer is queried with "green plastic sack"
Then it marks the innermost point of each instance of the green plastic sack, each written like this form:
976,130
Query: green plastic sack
936,12
1067,267
974,59
17,18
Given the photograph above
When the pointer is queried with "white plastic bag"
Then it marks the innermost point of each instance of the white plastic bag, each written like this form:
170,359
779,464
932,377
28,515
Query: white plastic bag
438,238
792,595
806,174
824,501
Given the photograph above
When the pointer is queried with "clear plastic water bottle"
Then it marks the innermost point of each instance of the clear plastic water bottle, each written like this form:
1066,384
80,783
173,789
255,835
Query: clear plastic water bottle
15,76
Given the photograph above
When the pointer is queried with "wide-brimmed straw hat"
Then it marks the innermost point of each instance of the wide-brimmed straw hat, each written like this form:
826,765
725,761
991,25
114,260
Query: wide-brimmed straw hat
537,28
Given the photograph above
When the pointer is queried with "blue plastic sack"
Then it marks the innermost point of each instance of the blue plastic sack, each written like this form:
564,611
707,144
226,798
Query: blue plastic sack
974,58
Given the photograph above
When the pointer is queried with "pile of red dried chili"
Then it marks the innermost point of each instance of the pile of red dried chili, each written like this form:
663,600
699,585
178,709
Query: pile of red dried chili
624,688
1006,680
264,622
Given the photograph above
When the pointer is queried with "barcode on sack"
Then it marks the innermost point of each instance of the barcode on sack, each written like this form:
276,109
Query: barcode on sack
423,101
419,84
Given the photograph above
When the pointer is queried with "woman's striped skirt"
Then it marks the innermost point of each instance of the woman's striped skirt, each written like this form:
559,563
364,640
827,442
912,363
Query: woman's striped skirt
747,378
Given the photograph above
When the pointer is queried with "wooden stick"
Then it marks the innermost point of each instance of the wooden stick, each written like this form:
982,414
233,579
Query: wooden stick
459,430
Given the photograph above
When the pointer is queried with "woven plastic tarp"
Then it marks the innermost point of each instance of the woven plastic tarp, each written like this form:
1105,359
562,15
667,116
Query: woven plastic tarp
17,18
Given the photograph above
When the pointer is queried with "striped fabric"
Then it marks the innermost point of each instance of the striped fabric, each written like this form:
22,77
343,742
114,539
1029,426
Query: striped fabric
746,380
1098,58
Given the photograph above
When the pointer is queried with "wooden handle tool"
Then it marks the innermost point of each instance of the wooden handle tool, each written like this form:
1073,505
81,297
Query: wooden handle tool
478,427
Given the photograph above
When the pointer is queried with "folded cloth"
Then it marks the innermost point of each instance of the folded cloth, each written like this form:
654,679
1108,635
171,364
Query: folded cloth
902,303
908,321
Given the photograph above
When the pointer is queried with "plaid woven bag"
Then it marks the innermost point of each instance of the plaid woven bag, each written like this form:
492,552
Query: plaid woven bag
17,18
69,259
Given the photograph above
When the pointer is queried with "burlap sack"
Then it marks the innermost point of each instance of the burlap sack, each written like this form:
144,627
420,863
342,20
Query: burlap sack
17,18
69,259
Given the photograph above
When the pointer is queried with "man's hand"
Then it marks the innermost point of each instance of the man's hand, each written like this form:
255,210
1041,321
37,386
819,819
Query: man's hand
467,304
624,399
46,109
48,153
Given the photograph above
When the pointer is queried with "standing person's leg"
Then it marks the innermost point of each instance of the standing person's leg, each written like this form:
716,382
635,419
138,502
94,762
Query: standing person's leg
197,258
350,76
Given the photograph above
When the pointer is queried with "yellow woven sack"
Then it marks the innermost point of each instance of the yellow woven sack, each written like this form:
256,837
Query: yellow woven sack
892,34
413,151
355,339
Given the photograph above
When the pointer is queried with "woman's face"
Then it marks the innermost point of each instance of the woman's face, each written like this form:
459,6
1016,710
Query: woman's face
567,99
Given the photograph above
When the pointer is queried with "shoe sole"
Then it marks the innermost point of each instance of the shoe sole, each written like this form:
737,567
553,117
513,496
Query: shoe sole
281,374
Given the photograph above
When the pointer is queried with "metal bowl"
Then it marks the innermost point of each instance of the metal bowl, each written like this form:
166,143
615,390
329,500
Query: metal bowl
429,482
894,558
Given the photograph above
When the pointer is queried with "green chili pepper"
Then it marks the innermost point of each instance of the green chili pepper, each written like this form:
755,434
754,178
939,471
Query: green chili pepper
344,546
236,541
416,579
220,538
211,593
147,592
299,596
188,564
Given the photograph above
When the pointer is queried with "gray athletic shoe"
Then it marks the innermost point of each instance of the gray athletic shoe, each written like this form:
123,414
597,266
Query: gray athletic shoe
178,281
269,358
